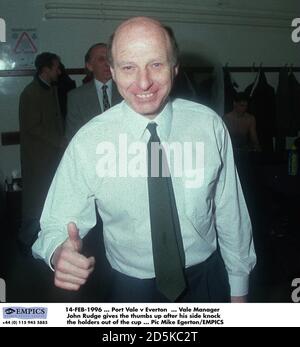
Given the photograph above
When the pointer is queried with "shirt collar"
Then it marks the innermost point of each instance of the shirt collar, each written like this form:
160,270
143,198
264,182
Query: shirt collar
137,123
43,83
99,84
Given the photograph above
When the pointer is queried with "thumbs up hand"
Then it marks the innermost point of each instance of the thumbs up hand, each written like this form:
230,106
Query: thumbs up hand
72,269
74,241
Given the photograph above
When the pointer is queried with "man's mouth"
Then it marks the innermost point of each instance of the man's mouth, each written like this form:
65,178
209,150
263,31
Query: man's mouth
144,96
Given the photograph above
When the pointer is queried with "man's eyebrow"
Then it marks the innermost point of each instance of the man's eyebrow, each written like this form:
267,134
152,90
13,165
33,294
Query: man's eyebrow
154,60
125,62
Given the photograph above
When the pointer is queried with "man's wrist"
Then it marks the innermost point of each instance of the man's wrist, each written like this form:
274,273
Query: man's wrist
239,299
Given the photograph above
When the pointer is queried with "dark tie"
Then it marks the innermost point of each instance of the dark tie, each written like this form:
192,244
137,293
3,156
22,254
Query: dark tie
106,104
168,253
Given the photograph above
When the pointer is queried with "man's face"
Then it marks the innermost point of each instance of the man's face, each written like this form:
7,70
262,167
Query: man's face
142,67
54,72
241,106
98,64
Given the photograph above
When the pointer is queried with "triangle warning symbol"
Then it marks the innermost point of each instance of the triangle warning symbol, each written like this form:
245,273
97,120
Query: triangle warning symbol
25,44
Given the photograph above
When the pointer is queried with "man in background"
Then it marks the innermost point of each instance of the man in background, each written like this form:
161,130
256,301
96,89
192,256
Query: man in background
42,142
242,125
94,97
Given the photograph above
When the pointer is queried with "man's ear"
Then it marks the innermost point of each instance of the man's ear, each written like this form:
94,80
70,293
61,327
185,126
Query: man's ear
89,67
176,69
112,71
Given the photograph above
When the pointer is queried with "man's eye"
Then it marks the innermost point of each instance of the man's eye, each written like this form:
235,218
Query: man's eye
156,65
127,68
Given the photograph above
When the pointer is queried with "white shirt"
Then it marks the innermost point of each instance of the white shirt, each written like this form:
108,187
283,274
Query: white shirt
217,206
99,85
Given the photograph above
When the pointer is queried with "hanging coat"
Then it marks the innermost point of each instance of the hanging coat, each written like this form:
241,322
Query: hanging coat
294,93
262,105
229,91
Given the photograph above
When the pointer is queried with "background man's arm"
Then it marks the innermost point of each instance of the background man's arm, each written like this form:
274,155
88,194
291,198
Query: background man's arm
253,134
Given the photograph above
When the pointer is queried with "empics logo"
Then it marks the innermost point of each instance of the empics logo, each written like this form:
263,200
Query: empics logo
25,312
2,30
2,290
296,32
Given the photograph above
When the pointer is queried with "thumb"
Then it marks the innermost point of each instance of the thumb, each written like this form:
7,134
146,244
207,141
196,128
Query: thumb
74,239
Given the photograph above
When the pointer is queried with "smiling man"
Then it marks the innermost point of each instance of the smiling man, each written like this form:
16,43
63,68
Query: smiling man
143,70
162,236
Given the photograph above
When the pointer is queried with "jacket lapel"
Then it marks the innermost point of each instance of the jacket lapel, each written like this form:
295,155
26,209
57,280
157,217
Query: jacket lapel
115,96
92,101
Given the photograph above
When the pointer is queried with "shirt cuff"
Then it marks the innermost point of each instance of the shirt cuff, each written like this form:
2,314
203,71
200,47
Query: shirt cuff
44,247
239,285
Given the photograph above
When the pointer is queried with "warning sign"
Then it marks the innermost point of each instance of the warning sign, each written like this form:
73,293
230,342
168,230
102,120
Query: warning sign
24,44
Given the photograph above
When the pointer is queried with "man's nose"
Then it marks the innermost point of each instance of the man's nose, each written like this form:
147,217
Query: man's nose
144,79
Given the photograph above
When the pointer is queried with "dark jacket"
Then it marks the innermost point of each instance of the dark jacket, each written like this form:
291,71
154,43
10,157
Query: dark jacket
262,106
41,134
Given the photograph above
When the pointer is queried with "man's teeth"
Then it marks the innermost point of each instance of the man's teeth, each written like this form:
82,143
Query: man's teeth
144,96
